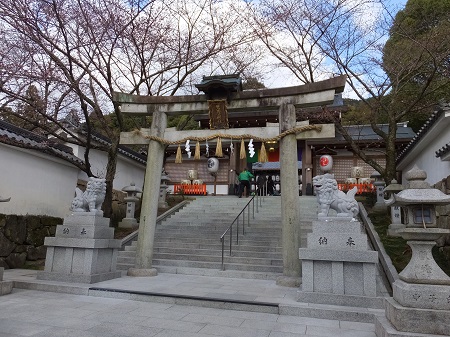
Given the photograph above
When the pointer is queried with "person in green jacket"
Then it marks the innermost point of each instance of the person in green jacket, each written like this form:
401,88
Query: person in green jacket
244,179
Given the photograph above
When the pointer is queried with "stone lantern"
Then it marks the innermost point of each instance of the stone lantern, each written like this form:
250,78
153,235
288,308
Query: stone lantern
162,203
379,185
396,211
421,296
129,221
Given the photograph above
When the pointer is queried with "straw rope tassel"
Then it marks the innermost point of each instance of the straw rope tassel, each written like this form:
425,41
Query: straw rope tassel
263,154
178,157
219,148
243,154
197,151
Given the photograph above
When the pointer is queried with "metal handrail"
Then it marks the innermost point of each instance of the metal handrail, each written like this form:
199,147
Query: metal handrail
247,207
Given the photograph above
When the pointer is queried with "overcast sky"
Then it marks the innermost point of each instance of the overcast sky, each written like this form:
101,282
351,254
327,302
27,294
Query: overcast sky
284,78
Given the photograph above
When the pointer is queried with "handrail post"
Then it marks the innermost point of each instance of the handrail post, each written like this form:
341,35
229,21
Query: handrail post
222,239
253,205
248,214
231,238
237,235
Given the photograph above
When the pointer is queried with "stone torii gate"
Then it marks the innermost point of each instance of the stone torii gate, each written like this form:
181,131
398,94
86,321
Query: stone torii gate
255,103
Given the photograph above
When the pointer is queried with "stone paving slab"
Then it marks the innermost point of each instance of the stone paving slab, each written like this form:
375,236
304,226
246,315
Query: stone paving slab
77,311
48,313
52,314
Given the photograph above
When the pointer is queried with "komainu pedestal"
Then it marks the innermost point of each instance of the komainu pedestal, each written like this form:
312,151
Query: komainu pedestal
337,267
83,250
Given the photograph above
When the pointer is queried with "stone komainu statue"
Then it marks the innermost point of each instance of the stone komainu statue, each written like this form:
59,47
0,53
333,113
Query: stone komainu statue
330,197
92,199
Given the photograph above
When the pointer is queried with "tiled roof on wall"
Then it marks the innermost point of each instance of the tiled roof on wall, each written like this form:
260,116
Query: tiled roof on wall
126,151
16,136
443,150
421,133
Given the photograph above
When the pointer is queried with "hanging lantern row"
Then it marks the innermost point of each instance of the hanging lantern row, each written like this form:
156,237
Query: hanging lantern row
187,148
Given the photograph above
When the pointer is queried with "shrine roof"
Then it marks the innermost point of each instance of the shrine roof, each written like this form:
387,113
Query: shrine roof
232,82
365,132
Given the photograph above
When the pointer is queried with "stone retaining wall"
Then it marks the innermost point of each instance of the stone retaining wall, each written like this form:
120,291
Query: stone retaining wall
22,239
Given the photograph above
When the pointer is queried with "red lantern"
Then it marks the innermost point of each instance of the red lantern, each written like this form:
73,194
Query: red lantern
326,163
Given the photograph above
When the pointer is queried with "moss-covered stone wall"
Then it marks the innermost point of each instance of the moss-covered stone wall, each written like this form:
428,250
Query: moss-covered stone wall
22,239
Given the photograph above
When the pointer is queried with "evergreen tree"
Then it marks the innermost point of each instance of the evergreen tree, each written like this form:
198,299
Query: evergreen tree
417,56
30,114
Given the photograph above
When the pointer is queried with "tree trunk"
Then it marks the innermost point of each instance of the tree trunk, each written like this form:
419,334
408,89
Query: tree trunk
110,174
391,155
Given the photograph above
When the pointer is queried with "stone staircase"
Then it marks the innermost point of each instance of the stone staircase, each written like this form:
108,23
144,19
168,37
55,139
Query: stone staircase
188,242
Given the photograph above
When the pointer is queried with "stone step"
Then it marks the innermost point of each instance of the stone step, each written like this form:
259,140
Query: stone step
202,251
215,234
219,273
244,241
269,228
345,313
207,258
189,241
217,265
242,248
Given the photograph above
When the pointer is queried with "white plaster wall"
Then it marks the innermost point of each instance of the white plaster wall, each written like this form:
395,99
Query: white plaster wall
423,155
127,170
38,184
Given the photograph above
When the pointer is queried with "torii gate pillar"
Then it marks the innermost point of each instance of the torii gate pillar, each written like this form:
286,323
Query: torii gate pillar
149,210
290,217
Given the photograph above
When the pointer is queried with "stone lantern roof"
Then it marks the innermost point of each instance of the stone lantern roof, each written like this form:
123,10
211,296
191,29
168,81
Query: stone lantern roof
394,187
418,191
132,188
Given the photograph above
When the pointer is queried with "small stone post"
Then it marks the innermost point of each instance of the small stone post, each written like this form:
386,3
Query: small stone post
396,211
5,286
379,185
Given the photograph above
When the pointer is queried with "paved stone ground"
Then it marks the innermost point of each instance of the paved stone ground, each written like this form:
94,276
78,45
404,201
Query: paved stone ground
47,314
55,309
